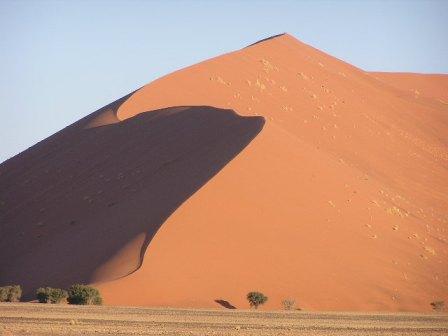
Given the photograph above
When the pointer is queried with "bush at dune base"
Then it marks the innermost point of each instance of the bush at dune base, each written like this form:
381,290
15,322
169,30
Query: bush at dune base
438,305
10,293
84,295
51,295
256,298
288,304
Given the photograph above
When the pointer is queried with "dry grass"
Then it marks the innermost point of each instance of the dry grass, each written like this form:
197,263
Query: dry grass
41,319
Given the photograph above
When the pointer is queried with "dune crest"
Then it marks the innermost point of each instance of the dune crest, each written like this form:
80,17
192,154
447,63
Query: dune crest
329,185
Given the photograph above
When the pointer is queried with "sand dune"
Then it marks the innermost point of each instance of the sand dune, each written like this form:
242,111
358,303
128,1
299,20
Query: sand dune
78,216
418,85
328,185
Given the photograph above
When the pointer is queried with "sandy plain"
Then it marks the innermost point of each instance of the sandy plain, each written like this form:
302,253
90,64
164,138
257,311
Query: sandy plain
43,320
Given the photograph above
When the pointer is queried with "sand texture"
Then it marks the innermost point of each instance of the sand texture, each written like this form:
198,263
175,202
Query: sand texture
46,320
275,168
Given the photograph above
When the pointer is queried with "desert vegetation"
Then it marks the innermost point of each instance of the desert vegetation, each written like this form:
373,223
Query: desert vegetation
51,295
288,304
438,305
76,294
256,298
84,295
10,293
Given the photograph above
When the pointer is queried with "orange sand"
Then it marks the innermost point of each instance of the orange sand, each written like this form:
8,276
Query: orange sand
339,200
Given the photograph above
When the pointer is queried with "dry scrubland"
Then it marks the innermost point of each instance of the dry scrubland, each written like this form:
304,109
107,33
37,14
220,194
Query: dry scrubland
40,319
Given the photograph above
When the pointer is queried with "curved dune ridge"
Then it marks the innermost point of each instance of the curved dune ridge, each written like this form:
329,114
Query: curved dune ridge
275,168
84,204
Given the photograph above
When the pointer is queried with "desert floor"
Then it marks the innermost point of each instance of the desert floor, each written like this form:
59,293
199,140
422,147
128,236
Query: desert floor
40,319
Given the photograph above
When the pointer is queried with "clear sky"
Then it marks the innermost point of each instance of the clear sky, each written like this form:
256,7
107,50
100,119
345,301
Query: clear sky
61,60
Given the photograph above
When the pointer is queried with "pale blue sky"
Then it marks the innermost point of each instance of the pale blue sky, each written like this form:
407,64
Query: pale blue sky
61,60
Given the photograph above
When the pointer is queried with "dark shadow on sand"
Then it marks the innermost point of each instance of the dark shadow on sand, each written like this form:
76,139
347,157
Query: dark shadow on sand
266,39
225,304
71,202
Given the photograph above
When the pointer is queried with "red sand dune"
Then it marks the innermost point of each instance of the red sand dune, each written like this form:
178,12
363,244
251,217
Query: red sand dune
275,168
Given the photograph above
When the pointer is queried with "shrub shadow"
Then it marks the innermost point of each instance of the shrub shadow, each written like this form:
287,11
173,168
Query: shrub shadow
225,304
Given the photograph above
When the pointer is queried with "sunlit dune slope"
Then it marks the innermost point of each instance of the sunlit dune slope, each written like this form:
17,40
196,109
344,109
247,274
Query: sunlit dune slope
329,185
418,85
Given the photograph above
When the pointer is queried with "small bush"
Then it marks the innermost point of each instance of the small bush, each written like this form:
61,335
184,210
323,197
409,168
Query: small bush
84,295
51,295
256,298
288,304
438,305
4,293
10,293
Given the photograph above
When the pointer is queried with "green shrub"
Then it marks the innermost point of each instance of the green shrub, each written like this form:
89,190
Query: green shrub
84,295
4,293
10,293
51,295
256,298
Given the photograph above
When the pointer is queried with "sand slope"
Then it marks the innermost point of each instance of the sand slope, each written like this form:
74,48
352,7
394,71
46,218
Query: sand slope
85,203
329,185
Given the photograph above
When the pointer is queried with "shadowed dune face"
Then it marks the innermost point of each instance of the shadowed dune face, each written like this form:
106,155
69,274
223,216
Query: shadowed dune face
97,196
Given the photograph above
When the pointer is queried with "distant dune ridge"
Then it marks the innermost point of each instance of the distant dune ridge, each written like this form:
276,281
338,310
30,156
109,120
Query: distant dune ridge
275,168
